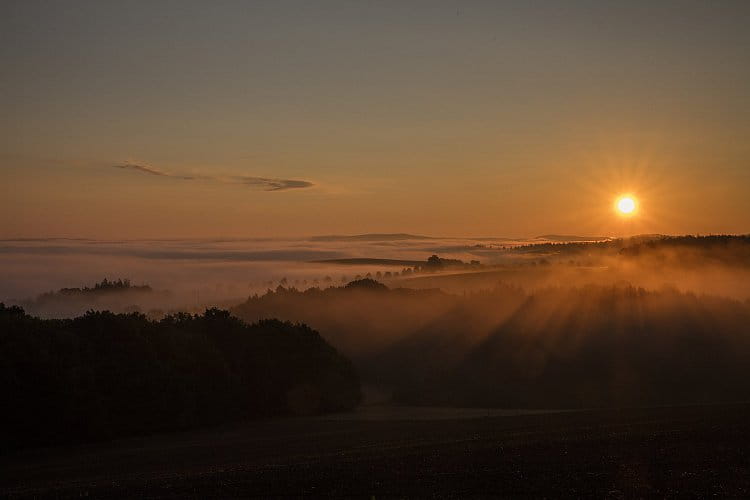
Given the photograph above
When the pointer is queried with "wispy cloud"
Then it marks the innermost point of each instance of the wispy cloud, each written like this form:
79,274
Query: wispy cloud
153,171
273,184
264,183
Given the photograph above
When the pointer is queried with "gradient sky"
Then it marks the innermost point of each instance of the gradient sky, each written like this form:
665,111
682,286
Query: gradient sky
444,118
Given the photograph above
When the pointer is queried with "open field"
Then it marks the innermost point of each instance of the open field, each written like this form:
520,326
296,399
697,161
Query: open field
664,452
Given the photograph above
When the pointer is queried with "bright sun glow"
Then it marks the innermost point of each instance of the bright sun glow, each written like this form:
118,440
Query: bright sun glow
626,205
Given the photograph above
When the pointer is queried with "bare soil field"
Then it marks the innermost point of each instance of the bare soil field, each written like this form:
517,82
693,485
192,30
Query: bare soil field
693,452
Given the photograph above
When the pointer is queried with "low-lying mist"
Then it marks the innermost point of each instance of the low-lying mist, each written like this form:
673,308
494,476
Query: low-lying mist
192,275
646,320
713,265
201,273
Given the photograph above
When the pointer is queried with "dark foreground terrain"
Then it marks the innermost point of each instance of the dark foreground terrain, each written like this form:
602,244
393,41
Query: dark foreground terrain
664,452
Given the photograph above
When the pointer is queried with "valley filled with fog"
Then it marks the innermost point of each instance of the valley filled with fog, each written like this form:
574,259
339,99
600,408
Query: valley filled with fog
551,322
195,274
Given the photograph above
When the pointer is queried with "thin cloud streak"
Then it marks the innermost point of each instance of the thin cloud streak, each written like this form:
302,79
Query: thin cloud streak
273,184
264,183
153,171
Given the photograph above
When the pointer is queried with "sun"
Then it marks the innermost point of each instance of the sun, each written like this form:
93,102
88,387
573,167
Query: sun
626,205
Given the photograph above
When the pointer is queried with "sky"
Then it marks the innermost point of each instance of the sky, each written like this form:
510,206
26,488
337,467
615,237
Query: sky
271,119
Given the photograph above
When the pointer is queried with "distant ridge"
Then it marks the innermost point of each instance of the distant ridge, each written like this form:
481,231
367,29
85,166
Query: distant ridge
567,237
408,236
371,237
367,261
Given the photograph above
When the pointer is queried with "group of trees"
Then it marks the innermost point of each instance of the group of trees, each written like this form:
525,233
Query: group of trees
114,295
436,263
356,317
558,347
724,249
431,264
105,286
104,375
692,251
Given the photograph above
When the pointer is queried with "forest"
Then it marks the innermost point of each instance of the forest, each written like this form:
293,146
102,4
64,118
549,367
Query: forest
556,347
104,375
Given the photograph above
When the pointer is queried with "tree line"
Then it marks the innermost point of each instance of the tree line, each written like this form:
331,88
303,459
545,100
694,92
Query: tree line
104,375
556,347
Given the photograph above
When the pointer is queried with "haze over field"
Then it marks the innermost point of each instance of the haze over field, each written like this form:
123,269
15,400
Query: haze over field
222,272
32,266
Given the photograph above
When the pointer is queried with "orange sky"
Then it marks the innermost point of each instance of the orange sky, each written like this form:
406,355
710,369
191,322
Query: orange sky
444,118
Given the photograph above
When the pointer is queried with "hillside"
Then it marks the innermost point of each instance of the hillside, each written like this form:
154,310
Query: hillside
557,347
